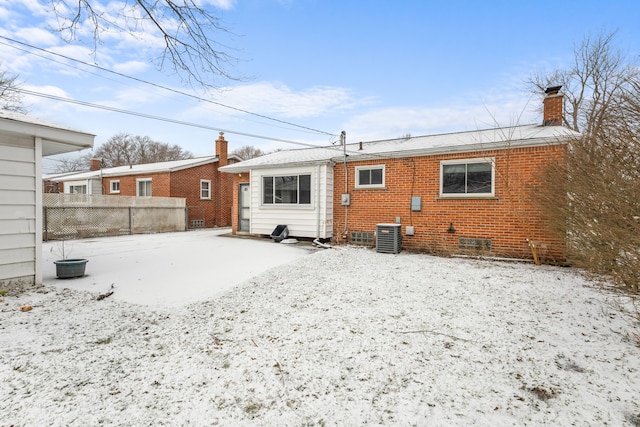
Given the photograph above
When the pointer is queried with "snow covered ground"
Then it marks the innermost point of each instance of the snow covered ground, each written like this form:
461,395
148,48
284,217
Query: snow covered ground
344,336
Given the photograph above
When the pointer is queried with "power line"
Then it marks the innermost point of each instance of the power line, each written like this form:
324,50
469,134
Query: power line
156,85
152,117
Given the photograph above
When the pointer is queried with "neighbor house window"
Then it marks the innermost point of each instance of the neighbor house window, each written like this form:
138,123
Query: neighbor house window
465,178
205,189
78,189
144,187
370,176
115,186
290,189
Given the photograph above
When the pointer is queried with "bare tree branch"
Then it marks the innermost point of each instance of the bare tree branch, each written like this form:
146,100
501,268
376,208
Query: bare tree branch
10,98
594,196
187,29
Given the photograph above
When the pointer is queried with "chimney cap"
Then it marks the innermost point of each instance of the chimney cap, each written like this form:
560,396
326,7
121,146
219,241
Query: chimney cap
553,90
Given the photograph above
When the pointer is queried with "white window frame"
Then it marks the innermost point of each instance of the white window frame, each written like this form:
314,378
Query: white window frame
141,180
274,201
112,183
490,160
72,186
370,167
208,189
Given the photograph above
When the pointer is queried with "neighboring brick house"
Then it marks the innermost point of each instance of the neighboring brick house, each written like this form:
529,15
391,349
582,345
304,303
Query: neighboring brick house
462,192
207,192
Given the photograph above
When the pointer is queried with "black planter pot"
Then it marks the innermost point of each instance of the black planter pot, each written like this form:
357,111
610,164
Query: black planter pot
70,268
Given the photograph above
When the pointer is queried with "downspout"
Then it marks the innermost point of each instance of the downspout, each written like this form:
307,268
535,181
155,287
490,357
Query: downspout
343,141
317,201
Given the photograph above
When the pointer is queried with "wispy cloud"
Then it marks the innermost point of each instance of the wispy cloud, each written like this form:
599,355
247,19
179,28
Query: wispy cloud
37,36
481,111
277,99
131,67
220,4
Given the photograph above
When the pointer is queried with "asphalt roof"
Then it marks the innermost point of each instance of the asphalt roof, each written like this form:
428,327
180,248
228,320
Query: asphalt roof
137,169
487,139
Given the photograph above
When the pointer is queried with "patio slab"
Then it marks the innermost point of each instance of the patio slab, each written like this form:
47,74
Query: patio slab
168,269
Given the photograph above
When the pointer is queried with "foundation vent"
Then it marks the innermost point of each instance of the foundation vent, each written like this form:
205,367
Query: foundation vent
474,244
361,238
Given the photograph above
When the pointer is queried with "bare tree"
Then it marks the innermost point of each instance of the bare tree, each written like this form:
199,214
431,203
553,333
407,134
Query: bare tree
72,164
247,152
594,86
10,98
187,28
123,149
595,200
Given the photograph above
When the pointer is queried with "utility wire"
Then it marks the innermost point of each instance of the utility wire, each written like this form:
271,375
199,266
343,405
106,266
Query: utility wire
160,86
159,118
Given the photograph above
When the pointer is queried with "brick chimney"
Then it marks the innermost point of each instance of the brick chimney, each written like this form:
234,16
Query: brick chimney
222,150
224,192
95,164
552,107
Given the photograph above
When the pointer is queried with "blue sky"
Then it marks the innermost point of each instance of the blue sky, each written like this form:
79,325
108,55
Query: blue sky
376,69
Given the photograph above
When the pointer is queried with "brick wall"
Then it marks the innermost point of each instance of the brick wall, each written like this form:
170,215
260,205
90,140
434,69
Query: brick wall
508,219
185,183
224,183
160,184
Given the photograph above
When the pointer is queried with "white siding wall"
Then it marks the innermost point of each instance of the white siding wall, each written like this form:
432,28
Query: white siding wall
95,186
18,206
314,220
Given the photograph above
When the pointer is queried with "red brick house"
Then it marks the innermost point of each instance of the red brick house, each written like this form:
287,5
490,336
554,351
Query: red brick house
206,190
459,192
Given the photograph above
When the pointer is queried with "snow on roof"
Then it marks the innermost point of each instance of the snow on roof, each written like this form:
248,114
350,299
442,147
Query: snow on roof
147,168
488,139
24,118
56,139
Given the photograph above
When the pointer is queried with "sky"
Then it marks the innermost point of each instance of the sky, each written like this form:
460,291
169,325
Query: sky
375,69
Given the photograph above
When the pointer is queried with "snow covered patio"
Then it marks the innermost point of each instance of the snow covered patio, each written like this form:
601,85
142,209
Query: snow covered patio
167,269
343,336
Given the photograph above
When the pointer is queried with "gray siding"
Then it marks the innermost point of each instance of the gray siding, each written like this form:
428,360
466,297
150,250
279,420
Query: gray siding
17,213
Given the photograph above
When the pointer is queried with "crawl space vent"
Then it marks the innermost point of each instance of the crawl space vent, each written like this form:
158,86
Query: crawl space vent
474,244
361,238
388,238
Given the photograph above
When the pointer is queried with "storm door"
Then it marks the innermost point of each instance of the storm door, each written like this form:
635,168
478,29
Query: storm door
244,202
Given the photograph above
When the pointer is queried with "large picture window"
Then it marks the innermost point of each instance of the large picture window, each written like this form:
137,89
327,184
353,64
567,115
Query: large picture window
78,189
289,189
370,176
467,178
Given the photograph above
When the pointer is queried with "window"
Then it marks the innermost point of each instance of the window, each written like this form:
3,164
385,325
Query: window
144,187
78,189
205,189
370,176
464,178
291,189
115,186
